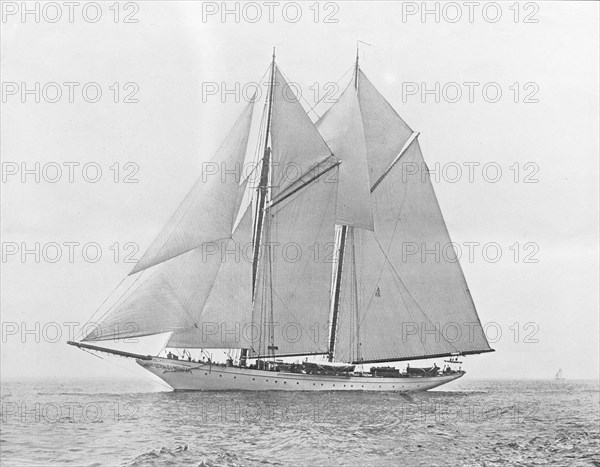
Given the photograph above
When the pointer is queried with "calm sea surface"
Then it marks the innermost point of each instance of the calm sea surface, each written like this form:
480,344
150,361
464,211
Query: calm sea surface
136,424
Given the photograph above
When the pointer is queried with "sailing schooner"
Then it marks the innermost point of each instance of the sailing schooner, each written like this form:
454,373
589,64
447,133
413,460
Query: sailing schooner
331,248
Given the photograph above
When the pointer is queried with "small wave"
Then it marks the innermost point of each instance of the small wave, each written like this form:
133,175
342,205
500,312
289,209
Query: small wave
163,453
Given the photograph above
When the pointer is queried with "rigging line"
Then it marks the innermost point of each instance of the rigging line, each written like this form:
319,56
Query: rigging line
257,157
270,266
80,333
385,100
407,291
194,323
262,121
385,254
240,195
303,271
111,307
189,206
405,186
324,96
311,109
152,269
77,336
367,308
252,188
213,283
92,353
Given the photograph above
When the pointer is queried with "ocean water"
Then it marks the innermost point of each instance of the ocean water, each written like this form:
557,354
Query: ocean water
133,423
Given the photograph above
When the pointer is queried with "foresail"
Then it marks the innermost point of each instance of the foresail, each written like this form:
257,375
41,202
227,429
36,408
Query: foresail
342,129
174,295
160,299
413,299
208,211
225,321
297,146
294,280
385,132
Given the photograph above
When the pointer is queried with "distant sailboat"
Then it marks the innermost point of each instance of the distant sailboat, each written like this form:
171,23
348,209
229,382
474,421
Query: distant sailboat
559,375
350,191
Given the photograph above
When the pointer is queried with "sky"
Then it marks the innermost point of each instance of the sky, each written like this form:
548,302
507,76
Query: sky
533,149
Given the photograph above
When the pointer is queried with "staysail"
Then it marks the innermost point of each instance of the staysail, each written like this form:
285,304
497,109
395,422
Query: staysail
402,293
183,294
207,212
169,290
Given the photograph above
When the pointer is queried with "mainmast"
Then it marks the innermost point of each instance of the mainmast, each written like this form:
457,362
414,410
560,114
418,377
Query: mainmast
340,260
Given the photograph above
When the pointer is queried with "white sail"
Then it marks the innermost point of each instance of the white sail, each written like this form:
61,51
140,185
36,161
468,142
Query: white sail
225,321
402,292
295,284
208,211
168,295
342,129
413,299
385,132
381,320
297,145
173,295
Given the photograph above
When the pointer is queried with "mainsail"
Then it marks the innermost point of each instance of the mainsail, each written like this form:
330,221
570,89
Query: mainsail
292,288
401,293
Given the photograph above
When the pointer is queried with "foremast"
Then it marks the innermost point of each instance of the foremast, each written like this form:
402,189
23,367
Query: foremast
263,195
